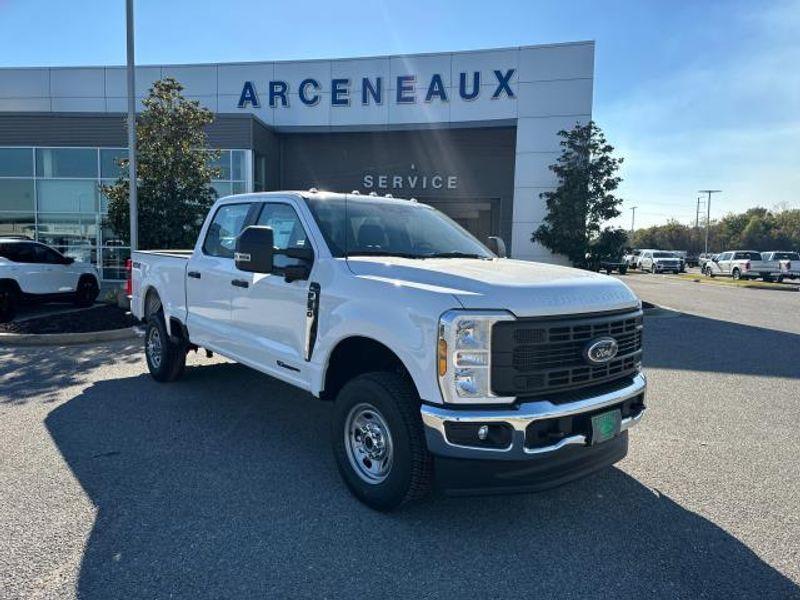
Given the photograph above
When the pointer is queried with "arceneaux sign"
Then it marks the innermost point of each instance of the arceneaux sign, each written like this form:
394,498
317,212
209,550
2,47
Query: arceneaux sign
371,90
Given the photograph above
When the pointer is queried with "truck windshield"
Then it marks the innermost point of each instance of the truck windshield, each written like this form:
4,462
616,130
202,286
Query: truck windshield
371,226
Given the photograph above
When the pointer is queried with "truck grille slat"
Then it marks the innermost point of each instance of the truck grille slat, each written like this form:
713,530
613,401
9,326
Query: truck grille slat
533,356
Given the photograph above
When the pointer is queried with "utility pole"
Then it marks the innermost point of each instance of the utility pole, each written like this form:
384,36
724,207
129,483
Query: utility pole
697,215
633,218
134,205
708,211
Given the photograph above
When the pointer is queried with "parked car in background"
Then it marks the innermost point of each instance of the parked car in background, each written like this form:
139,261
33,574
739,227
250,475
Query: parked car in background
440,357
743,264
788,262
704,258
680,254
660,261
692,259
632,258
33,272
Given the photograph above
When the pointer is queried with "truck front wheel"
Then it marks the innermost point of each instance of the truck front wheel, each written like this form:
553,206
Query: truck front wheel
379,441
166,360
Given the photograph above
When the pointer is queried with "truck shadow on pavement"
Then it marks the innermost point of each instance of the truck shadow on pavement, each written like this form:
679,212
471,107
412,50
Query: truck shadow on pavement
693,343
223,486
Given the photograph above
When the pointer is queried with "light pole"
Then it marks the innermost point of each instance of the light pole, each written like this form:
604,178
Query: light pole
708,211
132,128
633,218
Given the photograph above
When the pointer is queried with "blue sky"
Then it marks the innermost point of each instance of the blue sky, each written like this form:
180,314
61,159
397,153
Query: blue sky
693,94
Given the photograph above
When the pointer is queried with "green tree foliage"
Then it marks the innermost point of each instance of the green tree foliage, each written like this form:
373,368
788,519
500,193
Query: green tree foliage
174,171
584,198
756,229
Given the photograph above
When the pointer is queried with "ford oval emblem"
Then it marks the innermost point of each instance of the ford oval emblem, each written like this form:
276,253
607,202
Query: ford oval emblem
601,350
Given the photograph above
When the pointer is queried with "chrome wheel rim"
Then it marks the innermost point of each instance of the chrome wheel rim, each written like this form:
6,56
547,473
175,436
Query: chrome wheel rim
154,347
368,442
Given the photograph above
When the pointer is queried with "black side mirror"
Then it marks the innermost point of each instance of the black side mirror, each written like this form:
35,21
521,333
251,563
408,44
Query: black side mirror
255,249
498,246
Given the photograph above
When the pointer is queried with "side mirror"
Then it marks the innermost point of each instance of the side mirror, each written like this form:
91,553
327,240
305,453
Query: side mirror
498,246
68,260
255,249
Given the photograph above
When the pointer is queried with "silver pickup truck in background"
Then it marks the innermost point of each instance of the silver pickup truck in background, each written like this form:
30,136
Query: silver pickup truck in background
788,263
742,264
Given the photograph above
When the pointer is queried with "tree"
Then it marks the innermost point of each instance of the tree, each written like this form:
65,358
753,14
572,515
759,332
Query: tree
584,198
173,168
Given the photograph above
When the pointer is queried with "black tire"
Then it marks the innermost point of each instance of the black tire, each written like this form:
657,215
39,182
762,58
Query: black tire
779,279
166,360
623,270
9,298
736,274
393,404
87,291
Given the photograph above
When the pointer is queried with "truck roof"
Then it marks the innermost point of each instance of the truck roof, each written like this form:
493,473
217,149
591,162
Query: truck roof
322,195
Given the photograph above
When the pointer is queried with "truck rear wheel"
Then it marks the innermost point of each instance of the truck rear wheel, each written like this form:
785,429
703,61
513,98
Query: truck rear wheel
737,274
166,360
379,441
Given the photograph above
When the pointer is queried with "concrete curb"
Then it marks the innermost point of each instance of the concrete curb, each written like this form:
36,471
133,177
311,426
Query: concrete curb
64,339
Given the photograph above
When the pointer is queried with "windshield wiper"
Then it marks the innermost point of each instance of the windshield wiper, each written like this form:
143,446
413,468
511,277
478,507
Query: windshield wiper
455,255
383,253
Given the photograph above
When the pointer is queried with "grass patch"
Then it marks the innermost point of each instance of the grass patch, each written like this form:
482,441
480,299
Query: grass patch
745,283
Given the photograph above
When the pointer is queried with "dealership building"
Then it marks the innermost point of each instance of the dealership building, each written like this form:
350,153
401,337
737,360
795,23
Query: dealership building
471,133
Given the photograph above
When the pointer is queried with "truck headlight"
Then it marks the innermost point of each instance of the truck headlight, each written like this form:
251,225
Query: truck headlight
464,356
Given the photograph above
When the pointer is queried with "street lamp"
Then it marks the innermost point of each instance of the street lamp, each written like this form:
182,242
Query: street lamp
708,211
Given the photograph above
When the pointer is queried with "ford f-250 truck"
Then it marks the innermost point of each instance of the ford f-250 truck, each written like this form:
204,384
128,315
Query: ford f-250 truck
446,364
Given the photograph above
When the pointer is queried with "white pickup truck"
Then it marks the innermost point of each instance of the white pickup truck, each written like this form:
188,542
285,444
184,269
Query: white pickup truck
742,264
446,364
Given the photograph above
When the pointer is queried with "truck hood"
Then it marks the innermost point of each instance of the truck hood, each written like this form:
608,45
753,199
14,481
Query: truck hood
522,287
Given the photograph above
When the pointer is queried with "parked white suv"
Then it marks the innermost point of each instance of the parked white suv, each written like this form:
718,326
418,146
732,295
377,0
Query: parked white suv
33,272
441,358
659,261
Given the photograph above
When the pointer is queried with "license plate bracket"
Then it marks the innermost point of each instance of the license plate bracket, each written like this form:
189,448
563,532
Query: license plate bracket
606,426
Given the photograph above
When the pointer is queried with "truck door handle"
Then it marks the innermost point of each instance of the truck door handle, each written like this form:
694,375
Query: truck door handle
240,283
194,274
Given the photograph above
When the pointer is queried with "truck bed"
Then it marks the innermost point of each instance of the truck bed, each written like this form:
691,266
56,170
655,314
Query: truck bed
165,270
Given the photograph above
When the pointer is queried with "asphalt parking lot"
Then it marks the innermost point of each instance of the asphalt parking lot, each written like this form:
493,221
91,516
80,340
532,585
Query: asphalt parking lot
222,485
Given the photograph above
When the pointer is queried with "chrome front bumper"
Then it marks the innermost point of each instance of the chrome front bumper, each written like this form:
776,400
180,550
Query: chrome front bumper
519,417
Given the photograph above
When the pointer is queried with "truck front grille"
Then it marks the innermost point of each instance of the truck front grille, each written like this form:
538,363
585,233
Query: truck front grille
534,356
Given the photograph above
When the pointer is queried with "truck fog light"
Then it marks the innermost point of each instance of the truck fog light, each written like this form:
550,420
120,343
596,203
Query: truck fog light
465,358
483,432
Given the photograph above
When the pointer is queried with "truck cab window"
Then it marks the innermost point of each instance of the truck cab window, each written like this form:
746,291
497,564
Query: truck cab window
287,230
227,224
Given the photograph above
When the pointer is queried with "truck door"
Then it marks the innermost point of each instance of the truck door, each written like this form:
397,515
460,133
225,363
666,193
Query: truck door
724,263
209,276
269,315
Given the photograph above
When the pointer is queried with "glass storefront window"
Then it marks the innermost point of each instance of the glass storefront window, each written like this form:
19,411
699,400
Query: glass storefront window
67,195
66,162
238,165
16,195
223,188
238,187
112,264
16,162
109,159
21,223
223,163
62,184
59,229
